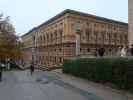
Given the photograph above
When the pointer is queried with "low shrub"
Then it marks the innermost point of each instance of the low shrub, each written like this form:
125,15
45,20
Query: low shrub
118,71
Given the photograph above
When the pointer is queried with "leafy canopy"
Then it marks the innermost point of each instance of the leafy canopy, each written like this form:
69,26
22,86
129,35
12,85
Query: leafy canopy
10,45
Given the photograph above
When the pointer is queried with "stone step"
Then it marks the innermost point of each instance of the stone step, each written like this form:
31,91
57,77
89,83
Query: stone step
44,68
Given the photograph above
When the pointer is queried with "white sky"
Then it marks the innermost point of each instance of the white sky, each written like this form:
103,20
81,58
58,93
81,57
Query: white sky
26,14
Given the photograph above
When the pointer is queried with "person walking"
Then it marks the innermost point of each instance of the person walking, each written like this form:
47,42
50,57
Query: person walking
128,53
131,50
0,72
123,52
101,52
32,68
118,54
1,68
8,64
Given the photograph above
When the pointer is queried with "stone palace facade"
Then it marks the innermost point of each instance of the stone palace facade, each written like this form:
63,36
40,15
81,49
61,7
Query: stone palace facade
70,34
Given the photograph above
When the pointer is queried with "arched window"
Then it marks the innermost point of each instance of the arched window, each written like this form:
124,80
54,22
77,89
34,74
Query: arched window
60,59
103,37
44,38
126,38
51,35
115,37
121,38
47,36
88,49
95,37
61,33
109,37
87,35
40,39
55,35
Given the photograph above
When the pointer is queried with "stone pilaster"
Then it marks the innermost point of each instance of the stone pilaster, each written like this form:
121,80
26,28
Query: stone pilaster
77,44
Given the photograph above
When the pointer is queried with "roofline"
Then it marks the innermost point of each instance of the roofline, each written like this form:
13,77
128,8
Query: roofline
79,13
48,21
28,32
97,17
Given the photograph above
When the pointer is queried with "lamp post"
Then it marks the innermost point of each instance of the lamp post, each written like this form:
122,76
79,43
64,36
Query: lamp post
78,33
33,51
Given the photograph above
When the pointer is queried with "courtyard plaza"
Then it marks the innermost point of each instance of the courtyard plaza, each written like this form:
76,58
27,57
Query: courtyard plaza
54,85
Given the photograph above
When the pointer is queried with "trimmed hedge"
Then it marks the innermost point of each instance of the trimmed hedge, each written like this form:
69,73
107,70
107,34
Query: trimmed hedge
118,71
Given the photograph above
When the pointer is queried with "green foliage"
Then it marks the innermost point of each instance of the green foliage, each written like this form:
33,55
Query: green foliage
118,71
10,46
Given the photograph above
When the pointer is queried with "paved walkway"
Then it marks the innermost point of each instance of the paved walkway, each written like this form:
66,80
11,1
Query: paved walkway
20,85
102,91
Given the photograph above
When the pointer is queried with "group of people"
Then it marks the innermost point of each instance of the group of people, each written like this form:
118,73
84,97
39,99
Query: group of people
123,51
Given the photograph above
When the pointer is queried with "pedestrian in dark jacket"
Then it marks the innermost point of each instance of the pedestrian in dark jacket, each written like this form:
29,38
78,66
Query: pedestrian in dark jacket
0,72
128,53
101,52
131,50
32,68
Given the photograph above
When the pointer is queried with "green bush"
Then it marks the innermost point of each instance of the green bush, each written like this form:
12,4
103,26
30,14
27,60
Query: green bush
118,71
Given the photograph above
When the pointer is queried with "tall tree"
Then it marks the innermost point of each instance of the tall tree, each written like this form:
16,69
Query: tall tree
9,42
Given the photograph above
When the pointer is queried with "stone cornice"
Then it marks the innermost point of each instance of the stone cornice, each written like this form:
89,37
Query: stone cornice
67,11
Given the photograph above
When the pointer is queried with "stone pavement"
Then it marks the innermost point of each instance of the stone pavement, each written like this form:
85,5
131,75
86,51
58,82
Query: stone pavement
102,91
20,85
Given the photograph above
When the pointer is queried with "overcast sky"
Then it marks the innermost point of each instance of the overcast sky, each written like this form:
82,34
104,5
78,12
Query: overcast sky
26,14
